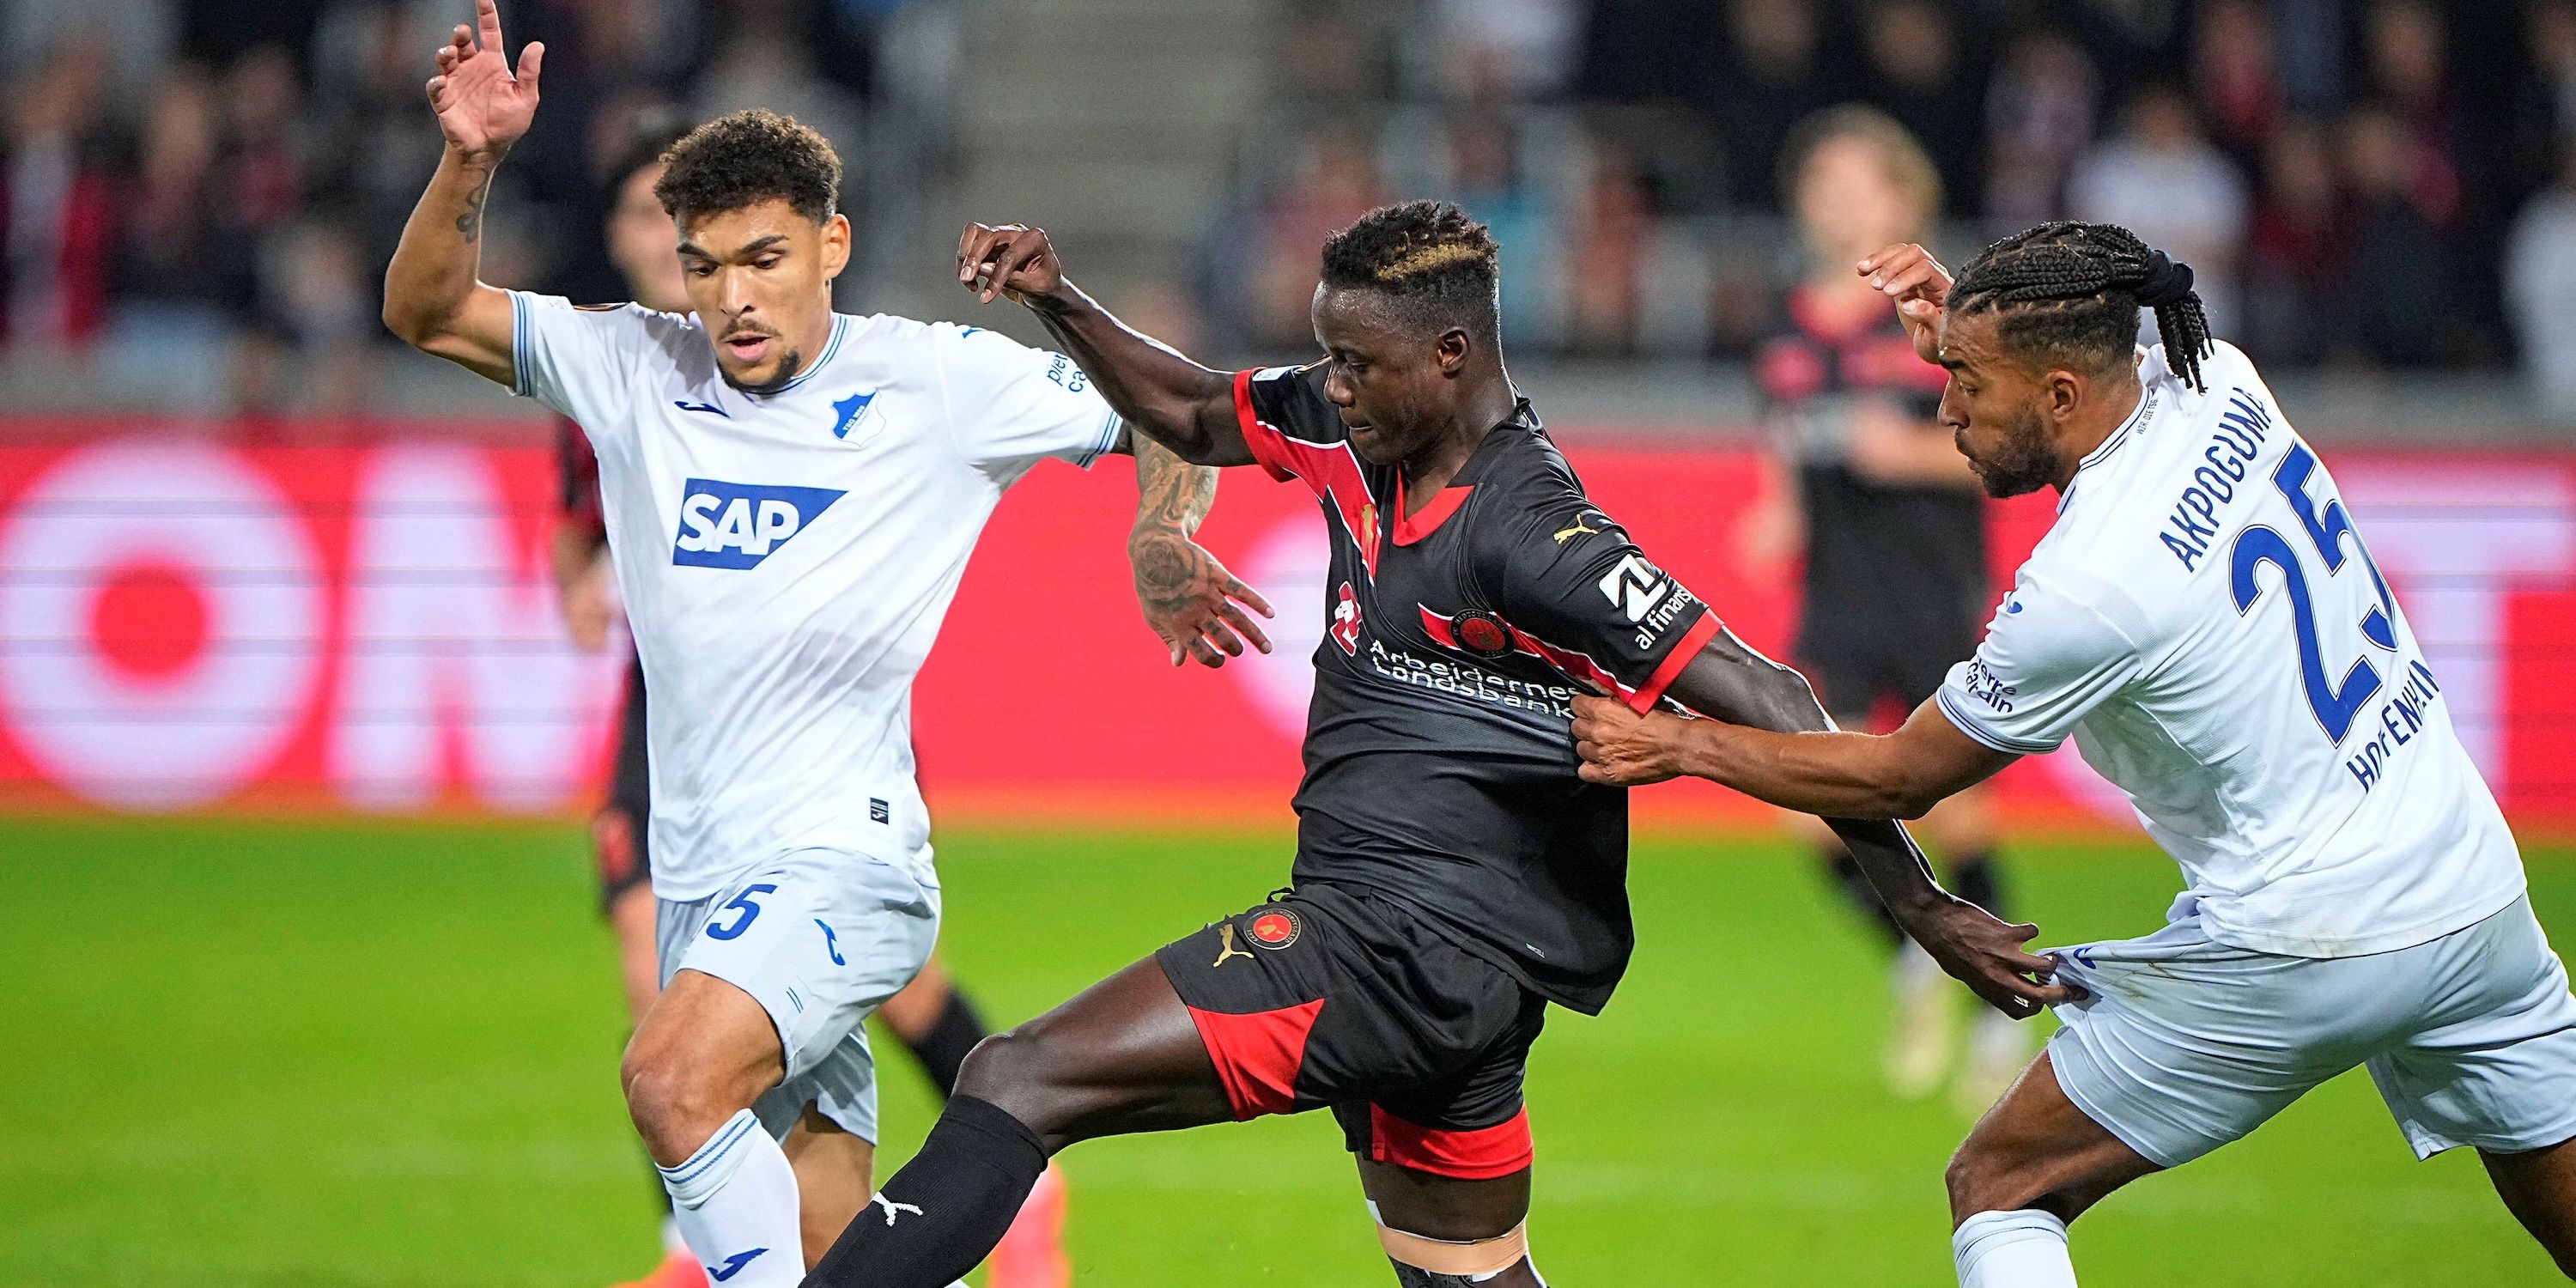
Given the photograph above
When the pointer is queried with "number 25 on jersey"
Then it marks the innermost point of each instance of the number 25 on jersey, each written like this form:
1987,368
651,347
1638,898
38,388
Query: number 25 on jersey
2336,703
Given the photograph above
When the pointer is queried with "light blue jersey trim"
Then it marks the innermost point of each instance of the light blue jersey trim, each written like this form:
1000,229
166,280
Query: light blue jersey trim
519,343
1108,440
708,1155
1971,726
2138,416
840,329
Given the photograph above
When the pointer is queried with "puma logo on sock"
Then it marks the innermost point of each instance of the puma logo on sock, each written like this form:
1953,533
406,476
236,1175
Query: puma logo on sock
893,1208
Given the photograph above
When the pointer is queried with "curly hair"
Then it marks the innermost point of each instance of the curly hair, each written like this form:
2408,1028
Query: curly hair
746,158
1436,265
2070,292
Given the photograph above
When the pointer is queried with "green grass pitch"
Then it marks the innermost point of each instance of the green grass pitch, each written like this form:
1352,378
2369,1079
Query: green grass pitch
264,1055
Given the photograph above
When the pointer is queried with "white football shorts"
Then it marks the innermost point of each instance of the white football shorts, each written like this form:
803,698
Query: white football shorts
819,938
2186,1044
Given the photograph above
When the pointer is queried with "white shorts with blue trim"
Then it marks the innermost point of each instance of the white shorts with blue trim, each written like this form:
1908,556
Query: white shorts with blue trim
2186,1044
819,938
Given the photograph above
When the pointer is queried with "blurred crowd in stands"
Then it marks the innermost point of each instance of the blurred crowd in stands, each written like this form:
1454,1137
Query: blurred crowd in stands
2358,183
197,193
200,196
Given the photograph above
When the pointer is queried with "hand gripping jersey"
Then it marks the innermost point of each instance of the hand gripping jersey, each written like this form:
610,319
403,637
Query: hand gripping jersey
785,558
2206,622
1440,767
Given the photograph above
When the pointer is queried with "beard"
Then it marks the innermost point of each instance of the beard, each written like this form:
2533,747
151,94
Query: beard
2024,462
787,368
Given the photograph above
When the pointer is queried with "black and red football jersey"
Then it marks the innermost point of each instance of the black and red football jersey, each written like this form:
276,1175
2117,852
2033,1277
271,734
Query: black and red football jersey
1894,571
1440,766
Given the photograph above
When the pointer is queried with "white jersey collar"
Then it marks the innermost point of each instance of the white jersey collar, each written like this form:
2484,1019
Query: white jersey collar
2148,399
840,331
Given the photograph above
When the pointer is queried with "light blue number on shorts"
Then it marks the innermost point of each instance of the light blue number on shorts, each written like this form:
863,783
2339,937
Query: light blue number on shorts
2336,704
750,913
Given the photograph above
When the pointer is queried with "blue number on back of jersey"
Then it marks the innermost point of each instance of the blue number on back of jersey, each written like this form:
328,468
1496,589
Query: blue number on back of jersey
2336,704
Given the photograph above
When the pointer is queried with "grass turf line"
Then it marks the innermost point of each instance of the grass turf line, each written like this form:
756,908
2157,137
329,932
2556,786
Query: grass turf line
288,1055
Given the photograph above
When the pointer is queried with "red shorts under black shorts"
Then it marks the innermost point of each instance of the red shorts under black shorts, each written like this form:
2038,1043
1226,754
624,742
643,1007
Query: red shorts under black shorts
1329,997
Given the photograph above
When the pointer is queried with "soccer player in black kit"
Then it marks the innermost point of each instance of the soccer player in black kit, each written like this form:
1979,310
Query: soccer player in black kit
1454,875
1894,526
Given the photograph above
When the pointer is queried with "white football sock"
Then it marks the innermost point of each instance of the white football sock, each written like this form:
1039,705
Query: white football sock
736,1202
2024,1249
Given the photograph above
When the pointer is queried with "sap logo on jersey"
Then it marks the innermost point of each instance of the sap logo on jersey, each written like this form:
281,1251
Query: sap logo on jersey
736,525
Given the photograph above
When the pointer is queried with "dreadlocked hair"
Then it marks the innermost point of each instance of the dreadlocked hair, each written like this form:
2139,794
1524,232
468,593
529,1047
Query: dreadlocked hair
1434,263
2070,292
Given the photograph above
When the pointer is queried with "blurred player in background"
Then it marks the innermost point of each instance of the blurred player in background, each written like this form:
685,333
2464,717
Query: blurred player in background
791,496
931,1016
1893,528
1454,877
2205,621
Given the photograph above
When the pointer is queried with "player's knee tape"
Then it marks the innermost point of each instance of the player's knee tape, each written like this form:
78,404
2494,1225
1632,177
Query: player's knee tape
1443,1263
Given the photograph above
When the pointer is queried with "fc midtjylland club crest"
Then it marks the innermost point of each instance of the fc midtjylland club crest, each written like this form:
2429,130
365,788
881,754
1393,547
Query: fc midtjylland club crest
1482,633
1276,928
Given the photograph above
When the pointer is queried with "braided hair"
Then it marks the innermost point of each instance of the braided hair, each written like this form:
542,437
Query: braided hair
2070,292
1434,263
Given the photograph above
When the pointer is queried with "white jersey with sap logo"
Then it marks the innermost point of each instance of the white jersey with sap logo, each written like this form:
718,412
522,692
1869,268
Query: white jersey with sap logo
2205,621
785,558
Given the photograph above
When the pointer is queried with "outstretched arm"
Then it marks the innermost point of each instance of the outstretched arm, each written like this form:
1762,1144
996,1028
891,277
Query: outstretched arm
1735,684
433,299
1161,394
1188,597
1849,775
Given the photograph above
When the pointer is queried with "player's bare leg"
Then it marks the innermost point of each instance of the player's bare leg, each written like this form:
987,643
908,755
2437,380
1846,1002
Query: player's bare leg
2539,1188
1123,1056
703,1054
1442,1232
2034,1163
835,1174
941,1027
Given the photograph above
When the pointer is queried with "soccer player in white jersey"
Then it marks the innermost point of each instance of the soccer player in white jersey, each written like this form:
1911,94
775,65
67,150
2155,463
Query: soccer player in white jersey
790,496
2204,620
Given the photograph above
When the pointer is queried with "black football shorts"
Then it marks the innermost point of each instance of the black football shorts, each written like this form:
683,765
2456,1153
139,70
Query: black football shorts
1329,997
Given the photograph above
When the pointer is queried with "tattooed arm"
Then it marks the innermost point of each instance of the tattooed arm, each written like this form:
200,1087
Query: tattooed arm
1189,598
433,299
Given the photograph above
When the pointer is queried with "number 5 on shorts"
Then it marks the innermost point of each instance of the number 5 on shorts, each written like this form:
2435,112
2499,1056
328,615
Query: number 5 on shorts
750,912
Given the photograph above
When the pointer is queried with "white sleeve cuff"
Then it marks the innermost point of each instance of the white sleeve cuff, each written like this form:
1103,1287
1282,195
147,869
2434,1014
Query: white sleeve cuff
1969,724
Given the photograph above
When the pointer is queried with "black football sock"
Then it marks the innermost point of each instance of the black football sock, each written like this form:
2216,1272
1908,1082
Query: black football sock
1973,878
942,1047
1859,893
945,1210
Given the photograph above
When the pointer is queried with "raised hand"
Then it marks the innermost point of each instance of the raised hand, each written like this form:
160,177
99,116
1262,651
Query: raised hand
1012,261
1910,276
482,108
1192,602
